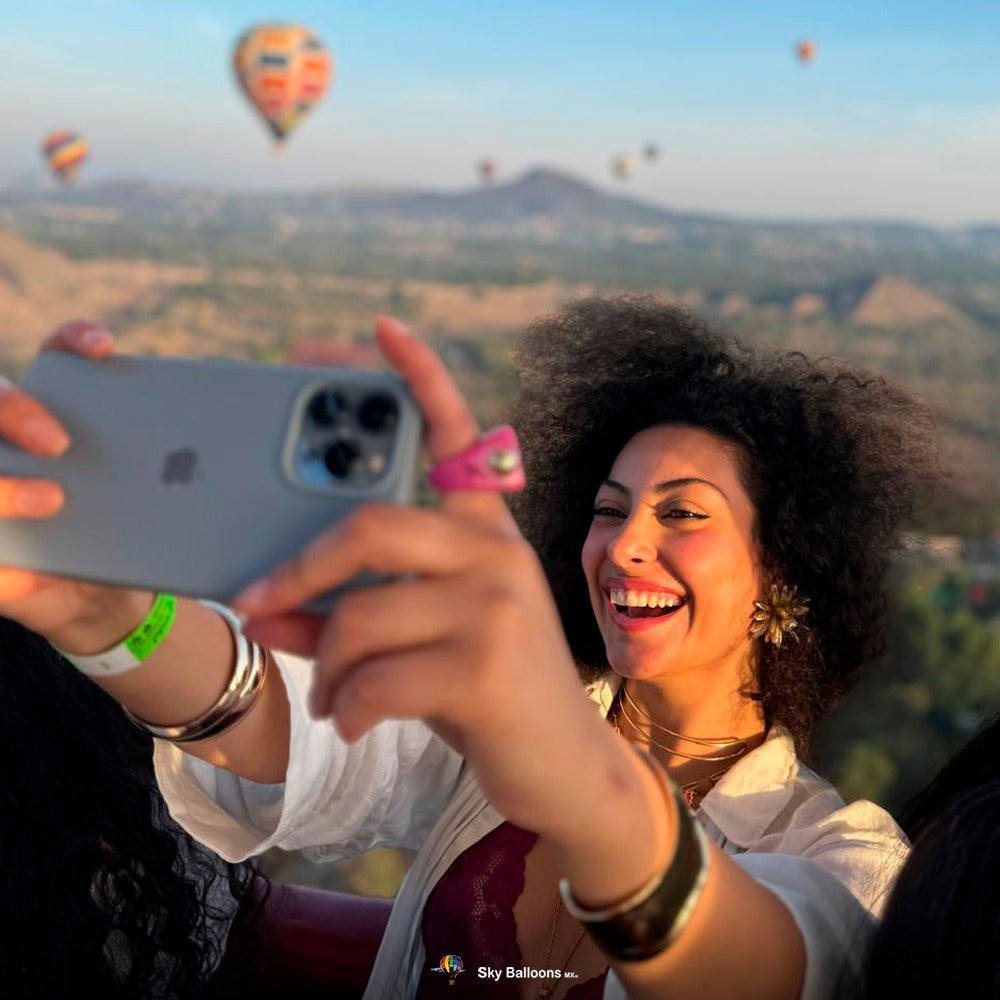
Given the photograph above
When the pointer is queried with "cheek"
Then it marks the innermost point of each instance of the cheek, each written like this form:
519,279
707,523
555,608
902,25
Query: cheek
592,555
710,567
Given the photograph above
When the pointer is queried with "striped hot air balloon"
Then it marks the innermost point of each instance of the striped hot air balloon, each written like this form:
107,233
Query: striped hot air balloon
284,69
64,151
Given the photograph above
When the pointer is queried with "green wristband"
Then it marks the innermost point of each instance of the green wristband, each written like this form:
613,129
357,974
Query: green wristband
136,647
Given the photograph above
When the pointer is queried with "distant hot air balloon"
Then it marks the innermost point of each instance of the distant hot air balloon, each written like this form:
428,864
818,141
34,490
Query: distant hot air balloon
284,69
651,151
65,151
487,171
805,51
622,167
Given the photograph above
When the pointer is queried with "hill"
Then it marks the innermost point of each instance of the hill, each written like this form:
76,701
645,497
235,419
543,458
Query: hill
893,301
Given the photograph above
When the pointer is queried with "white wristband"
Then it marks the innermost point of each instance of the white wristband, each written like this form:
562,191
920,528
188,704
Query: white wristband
135,648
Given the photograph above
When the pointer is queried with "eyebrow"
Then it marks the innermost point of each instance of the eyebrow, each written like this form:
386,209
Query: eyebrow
670,484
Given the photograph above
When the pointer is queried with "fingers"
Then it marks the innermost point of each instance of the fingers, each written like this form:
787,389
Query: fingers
27,424
16,583
294,633
451,426
30,498
386,539
450,423
379,621
81,336
413,685
23,420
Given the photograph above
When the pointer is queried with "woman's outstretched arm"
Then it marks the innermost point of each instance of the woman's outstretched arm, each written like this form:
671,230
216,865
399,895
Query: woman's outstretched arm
467,637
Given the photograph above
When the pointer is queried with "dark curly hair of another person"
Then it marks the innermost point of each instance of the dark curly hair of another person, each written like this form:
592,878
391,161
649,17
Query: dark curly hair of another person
833,458
104,896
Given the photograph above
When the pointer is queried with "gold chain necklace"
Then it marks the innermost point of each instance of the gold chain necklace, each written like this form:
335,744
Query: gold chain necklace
737,747
549,988
694,791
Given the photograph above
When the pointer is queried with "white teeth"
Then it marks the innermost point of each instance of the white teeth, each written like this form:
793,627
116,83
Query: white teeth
643,599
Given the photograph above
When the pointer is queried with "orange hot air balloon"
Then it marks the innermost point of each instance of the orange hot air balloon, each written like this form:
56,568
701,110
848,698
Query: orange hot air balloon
284,69
805,51
65,151
622,167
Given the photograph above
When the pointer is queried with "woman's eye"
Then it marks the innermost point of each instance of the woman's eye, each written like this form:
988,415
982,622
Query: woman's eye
602,511
683,514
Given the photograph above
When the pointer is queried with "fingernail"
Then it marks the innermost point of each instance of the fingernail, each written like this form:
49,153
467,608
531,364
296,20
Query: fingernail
251,597
398,324
44,435
95,336
38,498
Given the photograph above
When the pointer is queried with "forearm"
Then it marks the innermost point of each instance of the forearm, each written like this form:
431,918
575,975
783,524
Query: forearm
183,677
740,941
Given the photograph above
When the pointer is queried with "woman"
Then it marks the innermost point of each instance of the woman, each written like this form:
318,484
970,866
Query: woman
723,504
104,896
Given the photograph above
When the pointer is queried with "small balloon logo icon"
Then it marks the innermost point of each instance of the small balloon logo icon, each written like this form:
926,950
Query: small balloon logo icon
451,965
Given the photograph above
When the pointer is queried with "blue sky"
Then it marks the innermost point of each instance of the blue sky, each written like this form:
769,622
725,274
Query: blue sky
899,116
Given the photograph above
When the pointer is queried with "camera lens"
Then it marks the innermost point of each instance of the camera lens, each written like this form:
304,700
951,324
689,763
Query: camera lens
378,412
339,458
325,408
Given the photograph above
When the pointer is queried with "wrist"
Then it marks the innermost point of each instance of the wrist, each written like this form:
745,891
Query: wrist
628,804
102,623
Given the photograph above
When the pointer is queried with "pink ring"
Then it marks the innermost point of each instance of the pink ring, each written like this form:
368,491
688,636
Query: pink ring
492,462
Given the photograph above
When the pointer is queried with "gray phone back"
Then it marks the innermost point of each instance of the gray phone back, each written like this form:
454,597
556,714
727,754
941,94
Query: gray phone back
196,477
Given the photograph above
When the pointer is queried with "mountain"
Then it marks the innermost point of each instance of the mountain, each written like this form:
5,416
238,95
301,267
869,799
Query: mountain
543,200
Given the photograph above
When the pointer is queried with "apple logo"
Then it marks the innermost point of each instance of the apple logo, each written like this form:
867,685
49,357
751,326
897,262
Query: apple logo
180,466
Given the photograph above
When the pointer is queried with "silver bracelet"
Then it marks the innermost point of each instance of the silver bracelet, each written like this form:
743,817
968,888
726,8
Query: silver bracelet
240,695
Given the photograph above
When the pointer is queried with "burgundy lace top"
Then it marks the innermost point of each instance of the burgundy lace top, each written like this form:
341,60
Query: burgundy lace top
470,913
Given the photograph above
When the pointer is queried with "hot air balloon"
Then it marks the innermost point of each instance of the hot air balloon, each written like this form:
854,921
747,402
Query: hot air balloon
487,171
622,167
65,151
651,151
284,69
451,965
805,51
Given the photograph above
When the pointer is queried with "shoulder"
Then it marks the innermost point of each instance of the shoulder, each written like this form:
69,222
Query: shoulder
777,805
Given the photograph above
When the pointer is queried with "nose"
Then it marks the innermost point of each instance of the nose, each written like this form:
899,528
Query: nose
631,544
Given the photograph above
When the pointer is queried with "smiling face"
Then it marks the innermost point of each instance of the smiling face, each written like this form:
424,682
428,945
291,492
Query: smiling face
670,559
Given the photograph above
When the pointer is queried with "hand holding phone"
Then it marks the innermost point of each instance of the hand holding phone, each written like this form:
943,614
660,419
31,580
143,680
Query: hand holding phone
197,476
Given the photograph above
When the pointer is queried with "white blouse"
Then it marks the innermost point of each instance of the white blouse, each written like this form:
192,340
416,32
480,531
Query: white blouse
400,785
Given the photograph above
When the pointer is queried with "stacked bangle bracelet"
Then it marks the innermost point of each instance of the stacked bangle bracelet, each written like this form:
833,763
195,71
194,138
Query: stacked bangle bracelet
648,921
240,695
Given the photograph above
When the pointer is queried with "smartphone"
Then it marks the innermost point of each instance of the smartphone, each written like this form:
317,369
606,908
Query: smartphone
197,476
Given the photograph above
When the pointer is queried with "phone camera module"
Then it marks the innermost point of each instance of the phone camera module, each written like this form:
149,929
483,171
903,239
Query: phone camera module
378,412
325,408
340,457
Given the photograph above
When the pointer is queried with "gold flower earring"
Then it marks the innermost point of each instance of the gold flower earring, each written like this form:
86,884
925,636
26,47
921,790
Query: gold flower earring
777,614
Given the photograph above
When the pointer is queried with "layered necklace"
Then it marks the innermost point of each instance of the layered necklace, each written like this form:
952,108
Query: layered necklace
725,750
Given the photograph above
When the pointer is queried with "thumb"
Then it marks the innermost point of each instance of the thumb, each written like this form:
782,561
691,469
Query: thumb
450,425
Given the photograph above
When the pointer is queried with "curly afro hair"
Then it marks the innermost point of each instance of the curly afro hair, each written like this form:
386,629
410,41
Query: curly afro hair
833,458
